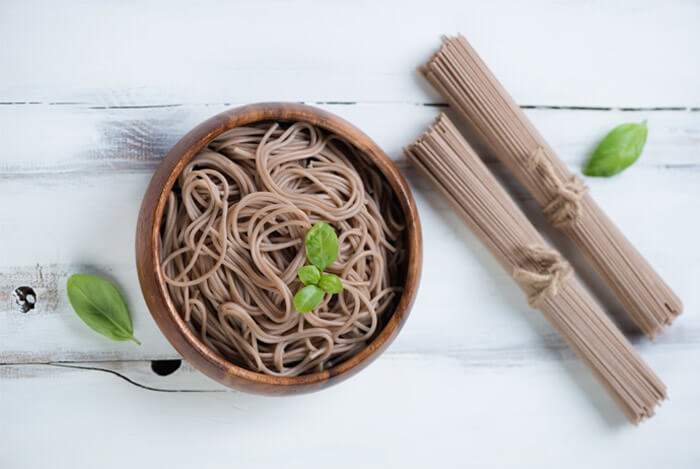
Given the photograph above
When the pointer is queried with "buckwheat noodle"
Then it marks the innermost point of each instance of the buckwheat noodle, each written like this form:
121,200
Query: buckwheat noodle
232,240
460,75
443,156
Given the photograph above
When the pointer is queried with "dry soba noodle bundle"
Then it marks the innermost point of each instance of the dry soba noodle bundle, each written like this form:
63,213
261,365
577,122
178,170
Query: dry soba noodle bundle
460,75
232,240
443,156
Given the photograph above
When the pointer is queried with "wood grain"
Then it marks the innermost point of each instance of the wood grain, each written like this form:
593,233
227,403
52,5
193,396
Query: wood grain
79,139
455,413
545,51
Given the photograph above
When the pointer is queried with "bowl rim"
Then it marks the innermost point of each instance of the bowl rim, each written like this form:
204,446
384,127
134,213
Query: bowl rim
148,246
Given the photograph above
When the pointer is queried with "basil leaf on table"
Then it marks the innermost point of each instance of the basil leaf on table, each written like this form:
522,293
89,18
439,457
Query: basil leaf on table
309,274
308,298
100,305
618,150
330,283
321,245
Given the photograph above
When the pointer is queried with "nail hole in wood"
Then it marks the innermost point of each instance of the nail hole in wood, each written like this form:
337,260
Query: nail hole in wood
165,367
25,298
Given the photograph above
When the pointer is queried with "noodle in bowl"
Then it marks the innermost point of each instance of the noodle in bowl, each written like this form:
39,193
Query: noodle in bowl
231,239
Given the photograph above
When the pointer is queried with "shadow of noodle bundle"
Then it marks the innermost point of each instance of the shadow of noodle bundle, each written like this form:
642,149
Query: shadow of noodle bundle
233,236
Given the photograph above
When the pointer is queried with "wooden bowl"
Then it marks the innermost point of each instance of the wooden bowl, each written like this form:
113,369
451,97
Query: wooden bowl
151,277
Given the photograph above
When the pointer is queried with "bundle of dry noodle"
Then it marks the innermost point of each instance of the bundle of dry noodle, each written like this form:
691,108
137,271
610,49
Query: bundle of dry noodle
233,238
460,75
447,160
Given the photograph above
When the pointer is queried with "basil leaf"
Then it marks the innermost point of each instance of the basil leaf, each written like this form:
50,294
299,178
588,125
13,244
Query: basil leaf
308,298
309,274
321,245
331,283
100,305
618,150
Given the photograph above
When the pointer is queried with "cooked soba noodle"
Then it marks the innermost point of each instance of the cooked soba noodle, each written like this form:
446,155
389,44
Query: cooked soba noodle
233,235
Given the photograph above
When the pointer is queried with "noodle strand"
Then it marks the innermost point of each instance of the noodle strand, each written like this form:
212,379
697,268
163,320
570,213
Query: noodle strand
232,240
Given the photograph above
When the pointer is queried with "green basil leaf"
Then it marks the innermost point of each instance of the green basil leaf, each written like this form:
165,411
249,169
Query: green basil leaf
321,245
309,274
331,283
618,150
100,305
308,298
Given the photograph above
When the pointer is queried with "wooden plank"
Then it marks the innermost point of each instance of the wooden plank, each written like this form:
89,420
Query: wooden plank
76,138
57,225
545,51
425,410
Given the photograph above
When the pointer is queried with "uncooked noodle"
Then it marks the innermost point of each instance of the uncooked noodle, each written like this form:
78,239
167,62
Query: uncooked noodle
445,158
232,240
462,77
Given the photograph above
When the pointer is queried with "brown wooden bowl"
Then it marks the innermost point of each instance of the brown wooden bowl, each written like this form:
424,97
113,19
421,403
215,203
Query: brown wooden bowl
151,277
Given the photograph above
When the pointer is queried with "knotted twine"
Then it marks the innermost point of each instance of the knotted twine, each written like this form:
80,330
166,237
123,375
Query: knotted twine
565,208
550,271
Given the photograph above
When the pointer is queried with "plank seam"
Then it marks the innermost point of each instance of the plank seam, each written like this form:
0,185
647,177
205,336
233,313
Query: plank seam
356,103
117,374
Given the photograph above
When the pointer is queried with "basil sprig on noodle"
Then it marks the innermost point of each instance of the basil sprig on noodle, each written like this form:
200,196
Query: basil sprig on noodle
322,251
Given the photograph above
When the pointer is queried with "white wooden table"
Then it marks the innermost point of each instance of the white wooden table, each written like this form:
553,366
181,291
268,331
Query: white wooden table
92,95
